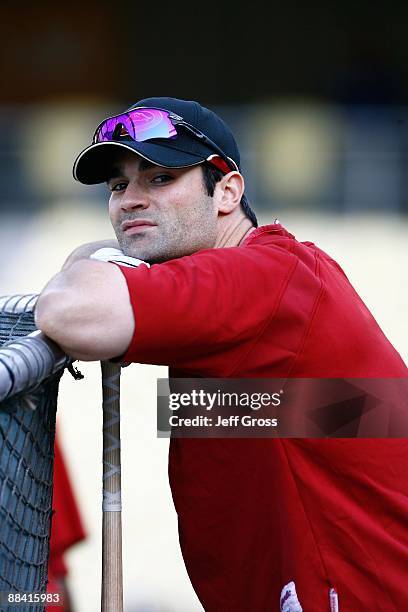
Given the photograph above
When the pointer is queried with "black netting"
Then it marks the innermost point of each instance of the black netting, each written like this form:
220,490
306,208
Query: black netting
27,431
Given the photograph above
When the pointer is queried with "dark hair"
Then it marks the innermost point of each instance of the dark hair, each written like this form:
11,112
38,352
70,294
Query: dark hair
211,176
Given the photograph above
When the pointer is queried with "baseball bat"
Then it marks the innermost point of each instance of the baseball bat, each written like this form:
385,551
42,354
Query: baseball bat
112,577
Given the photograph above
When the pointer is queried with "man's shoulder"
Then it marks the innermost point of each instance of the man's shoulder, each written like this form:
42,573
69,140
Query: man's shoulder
276,238
264,234
275,234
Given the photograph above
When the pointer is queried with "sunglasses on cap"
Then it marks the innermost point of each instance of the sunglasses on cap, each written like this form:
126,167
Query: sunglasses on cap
144,123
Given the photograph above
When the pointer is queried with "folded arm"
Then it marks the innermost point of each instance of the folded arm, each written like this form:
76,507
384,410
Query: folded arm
86,309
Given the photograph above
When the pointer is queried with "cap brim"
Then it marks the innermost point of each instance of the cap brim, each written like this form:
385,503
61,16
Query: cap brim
93,164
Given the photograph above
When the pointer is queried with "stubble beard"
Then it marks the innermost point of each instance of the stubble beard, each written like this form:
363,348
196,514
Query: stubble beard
169,240
137,246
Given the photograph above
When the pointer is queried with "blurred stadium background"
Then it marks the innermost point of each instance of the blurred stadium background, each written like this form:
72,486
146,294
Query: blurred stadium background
317,98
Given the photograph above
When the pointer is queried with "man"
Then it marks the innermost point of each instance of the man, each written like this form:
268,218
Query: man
265,524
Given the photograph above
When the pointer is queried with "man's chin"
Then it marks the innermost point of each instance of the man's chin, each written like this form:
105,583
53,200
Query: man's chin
150,255
143,254
131,249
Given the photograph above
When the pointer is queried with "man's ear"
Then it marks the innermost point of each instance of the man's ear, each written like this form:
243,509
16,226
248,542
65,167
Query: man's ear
229,191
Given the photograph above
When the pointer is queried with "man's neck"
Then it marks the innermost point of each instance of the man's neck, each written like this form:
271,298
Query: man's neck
235,233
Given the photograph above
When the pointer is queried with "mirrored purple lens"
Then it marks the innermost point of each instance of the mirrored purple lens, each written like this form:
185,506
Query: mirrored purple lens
140,124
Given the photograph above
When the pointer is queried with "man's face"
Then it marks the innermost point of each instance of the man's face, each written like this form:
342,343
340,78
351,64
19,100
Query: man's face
160,213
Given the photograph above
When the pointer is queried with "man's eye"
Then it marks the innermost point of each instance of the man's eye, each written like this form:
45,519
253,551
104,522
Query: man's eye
117,186
162,178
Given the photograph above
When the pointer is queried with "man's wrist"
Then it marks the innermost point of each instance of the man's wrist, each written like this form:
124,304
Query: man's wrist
117,256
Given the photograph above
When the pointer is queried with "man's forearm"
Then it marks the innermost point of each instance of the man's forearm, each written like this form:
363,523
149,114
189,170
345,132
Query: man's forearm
85,251
86,309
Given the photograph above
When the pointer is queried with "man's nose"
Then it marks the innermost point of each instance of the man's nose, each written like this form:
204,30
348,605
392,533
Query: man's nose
134,198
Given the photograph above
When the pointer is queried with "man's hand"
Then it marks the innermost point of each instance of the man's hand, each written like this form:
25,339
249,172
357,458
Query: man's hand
86,250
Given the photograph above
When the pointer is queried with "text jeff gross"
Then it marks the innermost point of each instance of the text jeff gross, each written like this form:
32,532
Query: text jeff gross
232,421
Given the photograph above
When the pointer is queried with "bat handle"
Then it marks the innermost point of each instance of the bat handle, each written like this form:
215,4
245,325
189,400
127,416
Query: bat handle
112,576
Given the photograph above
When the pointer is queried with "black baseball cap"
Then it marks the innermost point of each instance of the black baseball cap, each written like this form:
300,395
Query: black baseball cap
93,164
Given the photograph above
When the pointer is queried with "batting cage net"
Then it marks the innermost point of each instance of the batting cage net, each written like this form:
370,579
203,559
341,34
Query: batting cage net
27,431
